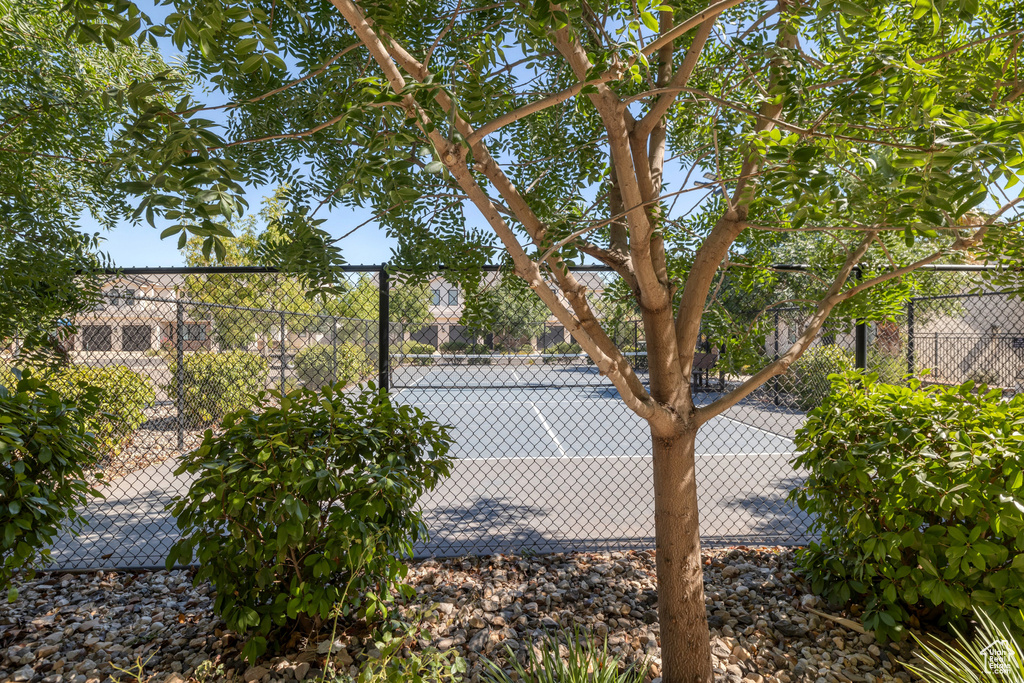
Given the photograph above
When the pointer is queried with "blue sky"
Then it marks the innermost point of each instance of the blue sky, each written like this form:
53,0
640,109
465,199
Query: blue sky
133,246
139,245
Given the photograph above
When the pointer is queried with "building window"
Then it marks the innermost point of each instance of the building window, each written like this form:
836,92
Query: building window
193,332
135,337
436,297
453,297
122,297
96,338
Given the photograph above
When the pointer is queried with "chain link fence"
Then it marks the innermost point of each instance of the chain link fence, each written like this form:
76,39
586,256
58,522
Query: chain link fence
548,458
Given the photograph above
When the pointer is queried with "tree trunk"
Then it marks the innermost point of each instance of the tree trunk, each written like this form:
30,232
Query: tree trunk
685,638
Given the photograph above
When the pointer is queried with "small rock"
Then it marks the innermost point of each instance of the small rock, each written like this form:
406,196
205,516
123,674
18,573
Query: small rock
327,647
300,671
790,629
25,673
477,642
254,674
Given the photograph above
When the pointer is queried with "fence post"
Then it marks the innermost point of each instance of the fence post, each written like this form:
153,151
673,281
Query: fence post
860,353
281,355
334,350
777,400
384,329
179,371
910,338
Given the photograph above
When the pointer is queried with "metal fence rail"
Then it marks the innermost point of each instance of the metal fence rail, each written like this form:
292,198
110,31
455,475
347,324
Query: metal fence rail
548,457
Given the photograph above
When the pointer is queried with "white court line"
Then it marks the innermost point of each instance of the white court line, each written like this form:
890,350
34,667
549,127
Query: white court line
607,401
622,457
413,385
544,422
741,422
550,431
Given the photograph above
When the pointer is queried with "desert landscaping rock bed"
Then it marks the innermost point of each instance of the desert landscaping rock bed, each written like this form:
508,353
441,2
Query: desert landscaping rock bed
80,628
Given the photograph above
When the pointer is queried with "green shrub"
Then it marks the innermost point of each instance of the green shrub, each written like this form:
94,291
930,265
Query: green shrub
479,354
297,508
398,657
564,348
889,368
561,349
46,456
411,348
516,348
216,384
455,346
416,348
322,364
808,378
917,493
123,397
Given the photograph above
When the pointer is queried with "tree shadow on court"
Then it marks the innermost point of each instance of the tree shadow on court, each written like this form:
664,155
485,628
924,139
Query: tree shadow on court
490,525
123,531
776,519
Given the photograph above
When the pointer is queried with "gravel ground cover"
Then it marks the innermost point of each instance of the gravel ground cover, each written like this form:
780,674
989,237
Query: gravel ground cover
82,628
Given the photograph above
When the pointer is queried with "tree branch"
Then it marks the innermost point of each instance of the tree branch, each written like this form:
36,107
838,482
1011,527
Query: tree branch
538,105
696,20
779,366
613,365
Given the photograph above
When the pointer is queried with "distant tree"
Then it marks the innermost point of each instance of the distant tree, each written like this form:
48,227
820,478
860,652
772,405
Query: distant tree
61,102
245,305
506,309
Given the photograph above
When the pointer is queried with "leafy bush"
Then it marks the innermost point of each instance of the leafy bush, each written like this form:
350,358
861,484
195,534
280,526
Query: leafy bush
123,397
411,348
455,346
46,456
561,349
514,347
397,657
808,378
889,368
322,364
565,348
298,507
917,493
216,384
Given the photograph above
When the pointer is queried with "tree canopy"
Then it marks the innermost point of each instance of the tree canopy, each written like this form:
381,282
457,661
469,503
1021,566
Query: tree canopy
674,143
246,304
61,103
